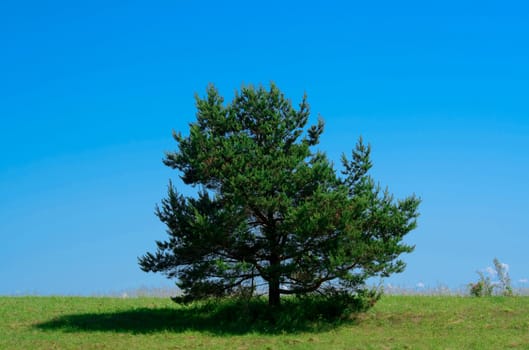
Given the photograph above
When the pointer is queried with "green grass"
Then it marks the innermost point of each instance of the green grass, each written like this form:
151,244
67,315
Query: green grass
396,322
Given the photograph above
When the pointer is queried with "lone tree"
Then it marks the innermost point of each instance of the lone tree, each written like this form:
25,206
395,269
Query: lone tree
270,210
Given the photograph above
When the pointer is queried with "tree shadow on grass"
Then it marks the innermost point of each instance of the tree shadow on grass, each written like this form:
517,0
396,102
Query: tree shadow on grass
215,317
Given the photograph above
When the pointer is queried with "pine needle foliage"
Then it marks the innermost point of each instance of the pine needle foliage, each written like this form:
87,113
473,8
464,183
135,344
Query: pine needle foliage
270,210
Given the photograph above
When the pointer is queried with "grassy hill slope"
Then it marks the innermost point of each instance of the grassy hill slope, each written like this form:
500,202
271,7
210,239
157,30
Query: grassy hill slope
396,322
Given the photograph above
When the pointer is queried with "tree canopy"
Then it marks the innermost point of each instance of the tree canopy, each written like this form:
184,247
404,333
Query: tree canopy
272,210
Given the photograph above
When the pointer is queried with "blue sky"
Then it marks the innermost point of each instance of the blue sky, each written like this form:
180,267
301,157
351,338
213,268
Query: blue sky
90,93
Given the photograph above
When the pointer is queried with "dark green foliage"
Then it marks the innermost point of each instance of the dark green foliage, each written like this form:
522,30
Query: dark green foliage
270,210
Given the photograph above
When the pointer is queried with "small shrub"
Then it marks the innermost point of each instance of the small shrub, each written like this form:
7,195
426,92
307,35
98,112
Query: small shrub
485,287
337,304
504,281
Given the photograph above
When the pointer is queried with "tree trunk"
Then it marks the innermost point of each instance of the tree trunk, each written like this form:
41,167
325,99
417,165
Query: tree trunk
274,298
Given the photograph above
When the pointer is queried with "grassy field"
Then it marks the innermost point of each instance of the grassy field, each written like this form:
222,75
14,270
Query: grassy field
396,322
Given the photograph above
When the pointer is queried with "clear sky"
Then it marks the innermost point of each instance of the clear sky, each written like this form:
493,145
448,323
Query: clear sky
91,91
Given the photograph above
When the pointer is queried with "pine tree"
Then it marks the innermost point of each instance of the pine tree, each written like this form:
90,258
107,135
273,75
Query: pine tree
272,210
